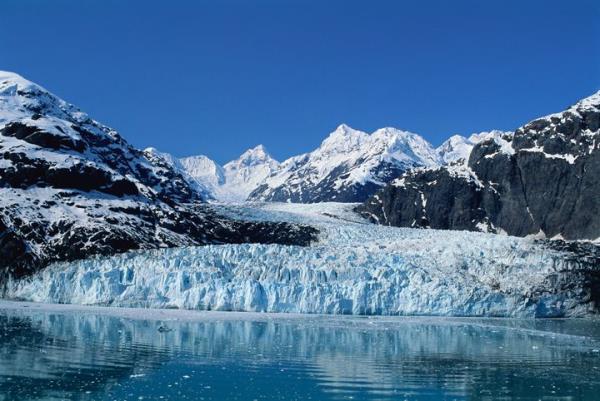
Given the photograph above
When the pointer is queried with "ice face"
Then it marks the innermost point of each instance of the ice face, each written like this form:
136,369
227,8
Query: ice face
355,268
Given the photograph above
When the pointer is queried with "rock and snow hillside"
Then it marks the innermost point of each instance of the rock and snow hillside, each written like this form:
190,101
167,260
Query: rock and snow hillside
234,181
543,181
354,268
71,187
349,166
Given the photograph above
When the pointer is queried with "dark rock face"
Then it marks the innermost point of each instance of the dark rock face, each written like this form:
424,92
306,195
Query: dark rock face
71,187
546,179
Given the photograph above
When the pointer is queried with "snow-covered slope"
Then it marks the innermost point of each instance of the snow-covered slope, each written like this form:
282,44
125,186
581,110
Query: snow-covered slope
355,267
234,181
204,171
458,147
348,166
71,187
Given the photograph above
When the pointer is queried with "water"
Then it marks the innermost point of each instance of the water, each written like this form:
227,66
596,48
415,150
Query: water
78,354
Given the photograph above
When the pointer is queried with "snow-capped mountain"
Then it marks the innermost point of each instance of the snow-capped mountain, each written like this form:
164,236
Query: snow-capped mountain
543,181
458,147
204,171
71,187
234,181
349,166
162,158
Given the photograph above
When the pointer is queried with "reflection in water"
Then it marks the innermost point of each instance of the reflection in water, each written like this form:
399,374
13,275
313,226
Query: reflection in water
83,356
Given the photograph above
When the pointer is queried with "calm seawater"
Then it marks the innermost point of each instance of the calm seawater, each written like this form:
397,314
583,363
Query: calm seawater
87,355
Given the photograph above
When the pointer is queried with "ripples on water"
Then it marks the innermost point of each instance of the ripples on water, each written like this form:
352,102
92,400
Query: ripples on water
88,356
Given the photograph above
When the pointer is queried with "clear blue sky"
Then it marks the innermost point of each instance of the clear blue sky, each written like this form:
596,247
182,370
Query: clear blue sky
217,77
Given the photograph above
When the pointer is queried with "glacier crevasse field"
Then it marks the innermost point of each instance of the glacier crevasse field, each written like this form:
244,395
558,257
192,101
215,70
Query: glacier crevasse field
354,268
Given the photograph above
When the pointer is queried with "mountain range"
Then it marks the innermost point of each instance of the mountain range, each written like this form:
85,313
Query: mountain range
71,187
348,166
234,181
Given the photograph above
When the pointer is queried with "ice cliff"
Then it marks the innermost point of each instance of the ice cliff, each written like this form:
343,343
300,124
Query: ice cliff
355,268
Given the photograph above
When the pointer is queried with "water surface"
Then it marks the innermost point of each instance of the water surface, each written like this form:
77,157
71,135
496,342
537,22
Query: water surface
58,353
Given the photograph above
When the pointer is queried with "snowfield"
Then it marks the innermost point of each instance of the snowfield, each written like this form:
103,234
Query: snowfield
354,268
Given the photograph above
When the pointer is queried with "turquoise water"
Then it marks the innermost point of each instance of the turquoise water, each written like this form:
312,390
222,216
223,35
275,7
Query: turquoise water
86,355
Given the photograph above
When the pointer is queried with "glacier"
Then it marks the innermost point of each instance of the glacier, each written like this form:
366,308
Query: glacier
354,268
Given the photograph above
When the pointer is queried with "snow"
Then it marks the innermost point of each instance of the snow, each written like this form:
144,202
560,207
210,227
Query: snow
357,153
247,172
198,185
354,268
204,170
44,214
465,172
590,103
458,147
569,158
457,169
234,181
455,148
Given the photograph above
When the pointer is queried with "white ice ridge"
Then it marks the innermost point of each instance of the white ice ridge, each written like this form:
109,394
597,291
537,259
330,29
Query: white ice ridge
354,268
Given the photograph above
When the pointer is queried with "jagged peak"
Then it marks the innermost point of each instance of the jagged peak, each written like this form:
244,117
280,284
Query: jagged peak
259,151
343,127
253,156
343,139
344,130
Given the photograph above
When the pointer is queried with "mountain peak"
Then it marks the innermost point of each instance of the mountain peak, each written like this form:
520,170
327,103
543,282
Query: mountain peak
257,152
344,130
10,82
254,156
11,76
234,181
344,139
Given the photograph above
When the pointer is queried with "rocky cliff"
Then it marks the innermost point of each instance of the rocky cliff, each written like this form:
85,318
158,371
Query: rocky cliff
544,180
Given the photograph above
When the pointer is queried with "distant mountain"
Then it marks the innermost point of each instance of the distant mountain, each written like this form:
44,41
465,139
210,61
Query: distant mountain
458,147
71,187
349,166
234,181
175,164
544,180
